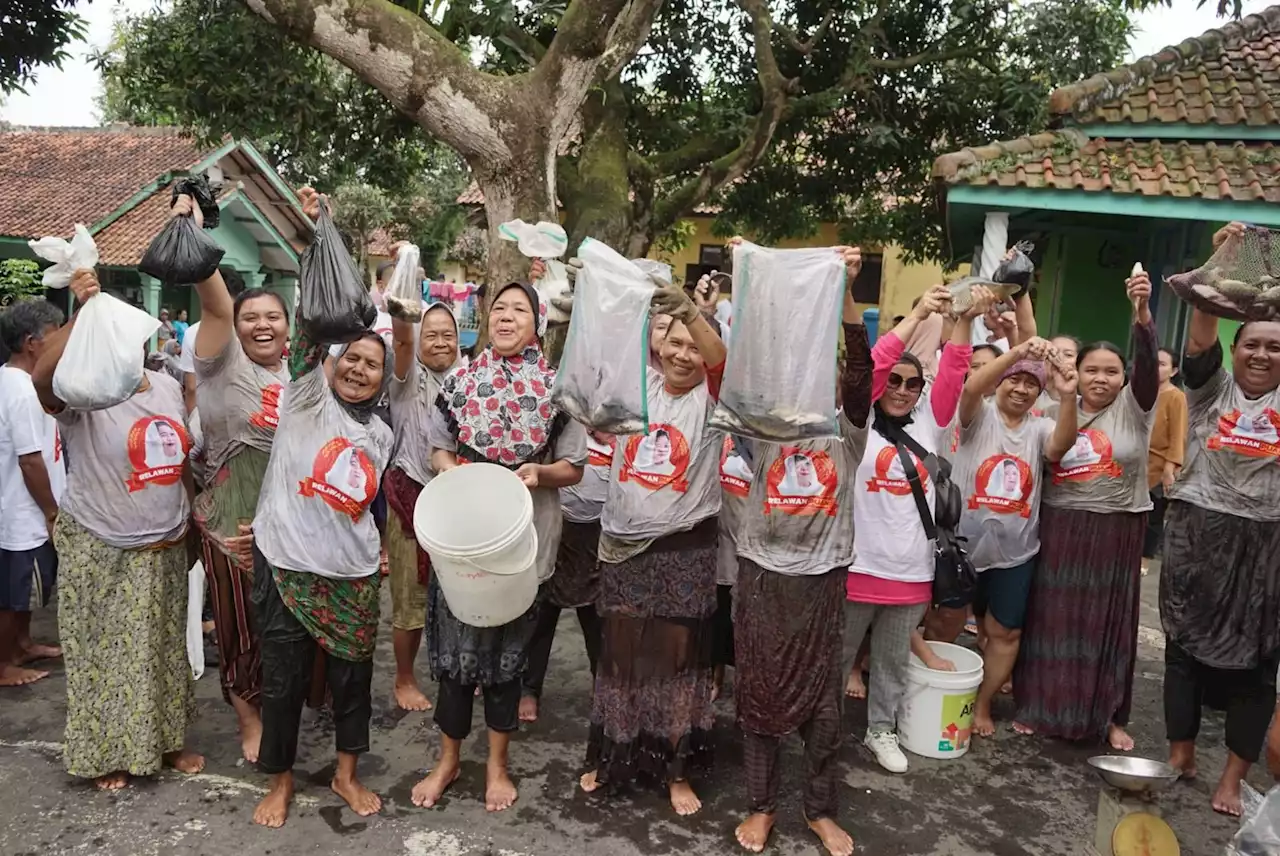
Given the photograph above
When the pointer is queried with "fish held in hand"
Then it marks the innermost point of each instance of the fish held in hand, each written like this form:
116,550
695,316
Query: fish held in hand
962,292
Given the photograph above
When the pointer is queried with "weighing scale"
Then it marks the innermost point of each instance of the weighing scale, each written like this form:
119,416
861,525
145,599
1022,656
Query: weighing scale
1130,822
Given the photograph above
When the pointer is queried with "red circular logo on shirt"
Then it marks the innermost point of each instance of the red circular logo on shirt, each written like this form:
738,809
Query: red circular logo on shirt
891,478
801,482
158,448
1090,458
343,477
1254,436
657,459
1003,485
735,475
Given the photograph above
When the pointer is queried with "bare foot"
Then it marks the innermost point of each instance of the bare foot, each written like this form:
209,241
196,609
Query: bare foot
274,808
409,696
251,741
1006,688
1024,730
184,761
683,799
983,724
33,652
499,791
477,693
528,709
588,782
1182,757
1119,739
854,687
836,840
717,682
1226,799
362,801
116,781
16,676
428,792
753,833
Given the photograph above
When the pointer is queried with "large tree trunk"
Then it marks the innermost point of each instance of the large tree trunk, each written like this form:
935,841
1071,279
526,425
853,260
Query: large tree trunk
596,190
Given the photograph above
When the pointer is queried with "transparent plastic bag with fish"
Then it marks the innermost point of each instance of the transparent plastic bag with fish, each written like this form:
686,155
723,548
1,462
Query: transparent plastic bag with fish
780,380
602,380
1259,833
404,292
1241,280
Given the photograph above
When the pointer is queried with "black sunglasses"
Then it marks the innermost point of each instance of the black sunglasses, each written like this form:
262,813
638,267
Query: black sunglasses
914,384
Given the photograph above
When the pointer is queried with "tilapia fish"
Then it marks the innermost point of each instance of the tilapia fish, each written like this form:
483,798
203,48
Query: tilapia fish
962,292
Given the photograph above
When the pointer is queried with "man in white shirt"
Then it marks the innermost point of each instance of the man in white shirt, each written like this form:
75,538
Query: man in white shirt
32,478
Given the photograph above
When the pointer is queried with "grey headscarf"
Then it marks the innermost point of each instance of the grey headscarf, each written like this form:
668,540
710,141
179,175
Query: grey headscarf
436,376
363,411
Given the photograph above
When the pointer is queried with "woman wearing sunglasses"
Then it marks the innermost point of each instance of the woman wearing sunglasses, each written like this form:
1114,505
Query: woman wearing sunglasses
890,583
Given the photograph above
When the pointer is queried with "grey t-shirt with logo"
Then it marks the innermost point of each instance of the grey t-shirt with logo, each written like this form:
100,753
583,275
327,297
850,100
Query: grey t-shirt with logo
239,403
412,401
1106,470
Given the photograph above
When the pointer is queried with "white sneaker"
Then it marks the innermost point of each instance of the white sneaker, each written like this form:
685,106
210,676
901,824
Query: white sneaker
884,745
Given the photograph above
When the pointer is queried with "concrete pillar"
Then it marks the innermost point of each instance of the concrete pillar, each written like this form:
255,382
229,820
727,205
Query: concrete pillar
254,279
150,300
995,242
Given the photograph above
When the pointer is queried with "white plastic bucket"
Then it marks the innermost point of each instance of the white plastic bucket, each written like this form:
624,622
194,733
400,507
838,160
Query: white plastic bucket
936,717
476,522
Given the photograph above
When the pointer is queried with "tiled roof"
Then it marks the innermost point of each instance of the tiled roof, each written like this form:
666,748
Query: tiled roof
1070,160
1228,76
51,179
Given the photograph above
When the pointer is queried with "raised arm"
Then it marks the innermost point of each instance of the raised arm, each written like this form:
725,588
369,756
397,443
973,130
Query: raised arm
84,285
217,309
944,396
855,380
1203,330
1146,343
889,347
1064,379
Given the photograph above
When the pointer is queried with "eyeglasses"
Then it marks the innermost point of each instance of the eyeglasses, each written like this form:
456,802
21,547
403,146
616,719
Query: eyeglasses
914,384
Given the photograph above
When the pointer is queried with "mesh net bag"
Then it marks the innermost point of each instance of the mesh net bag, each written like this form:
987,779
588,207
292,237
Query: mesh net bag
1240,281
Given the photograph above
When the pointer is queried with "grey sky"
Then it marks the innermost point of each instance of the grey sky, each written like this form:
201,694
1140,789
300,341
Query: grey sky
66,96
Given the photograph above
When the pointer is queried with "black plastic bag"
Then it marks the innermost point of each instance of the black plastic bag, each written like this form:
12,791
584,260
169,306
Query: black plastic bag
182,254
334,305
1018,268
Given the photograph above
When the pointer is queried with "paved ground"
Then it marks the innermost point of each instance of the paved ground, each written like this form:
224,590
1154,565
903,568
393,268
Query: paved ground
1010,796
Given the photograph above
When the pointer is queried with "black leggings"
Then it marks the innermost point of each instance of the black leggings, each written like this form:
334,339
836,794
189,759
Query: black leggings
454,701
545,633
1247,695
288,663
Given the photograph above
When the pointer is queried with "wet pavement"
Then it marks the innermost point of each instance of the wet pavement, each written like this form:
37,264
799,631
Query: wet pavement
1008,797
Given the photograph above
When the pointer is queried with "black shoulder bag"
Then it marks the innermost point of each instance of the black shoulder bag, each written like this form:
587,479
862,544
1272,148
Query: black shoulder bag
954,579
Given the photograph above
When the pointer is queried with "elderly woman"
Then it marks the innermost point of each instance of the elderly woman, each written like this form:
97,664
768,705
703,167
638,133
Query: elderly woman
425,353
1220,579
512,378
999,470
651,709
1074,676
890,583
794,541
240,373
122,602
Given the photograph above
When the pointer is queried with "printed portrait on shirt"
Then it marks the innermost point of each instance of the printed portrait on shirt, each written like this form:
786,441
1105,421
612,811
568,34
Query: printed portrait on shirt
1090,457
269,414
343,477
600,448
158,448
1003,484
735,473
801,482
891,478
658,459
1252,435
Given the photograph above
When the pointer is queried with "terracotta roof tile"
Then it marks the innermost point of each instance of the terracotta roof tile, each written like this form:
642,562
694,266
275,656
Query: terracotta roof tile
1228,76
55,178
1066,160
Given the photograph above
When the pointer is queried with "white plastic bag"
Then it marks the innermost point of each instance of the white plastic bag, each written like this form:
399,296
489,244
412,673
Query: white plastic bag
541,240
404,293
1259,833
602,378
67,256
102,363
195,619
656,270
780,380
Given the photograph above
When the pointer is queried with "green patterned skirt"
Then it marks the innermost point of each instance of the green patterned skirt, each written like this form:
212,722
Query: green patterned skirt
122,616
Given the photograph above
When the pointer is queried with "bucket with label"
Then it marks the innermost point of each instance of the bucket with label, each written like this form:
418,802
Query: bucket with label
936,716
476,523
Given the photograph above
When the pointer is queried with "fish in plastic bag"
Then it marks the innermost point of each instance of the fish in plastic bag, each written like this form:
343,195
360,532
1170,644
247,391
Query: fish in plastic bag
183,253
780,382
602,378
101,365
1259,833
541,240
67,256
404,293
334,306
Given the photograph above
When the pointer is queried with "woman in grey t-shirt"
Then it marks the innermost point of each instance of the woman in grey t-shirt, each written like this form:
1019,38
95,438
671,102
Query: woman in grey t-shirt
1074,677
1220,580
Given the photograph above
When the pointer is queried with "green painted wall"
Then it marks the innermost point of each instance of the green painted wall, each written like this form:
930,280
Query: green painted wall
1092,304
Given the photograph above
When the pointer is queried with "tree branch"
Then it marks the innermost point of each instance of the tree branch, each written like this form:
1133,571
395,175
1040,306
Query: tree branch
900,63
806,47
523,42
422,73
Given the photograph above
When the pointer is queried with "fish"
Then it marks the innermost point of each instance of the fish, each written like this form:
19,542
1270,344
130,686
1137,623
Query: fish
962,292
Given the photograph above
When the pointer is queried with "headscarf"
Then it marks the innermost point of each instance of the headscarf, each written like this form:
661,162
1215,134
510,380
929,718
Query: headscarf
363,411
1035,368
436,376
499,408
889,426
